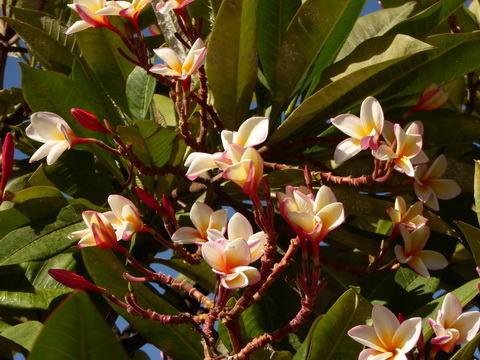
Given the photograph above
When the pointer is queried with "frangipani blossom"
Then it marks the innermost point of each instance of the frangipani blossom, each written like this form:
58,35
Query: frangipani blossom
129,10
173,65
411,218
168,5
203,218
387,339
86,235
364,131
54,132
230,260
311,217
240,228
413,254
124,217
405,151
429,188
87,10
452,326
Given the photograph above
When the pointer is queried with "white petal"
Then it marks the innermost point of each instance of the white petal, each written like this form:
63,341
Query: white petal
239,227
56,151
198,163
407,334
77,26
252,132
367,336
385,324
350,125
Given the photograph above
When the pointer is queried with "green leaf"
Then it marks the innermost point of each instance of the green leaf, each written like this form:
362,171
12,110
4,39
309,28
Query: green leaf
273,19
468,351
140,89
100,48
28,243
476,189
179,341
232,61
76,330
369,59
29,286
45,38
328,337
306,34
152,144
166,112
472,234
22,336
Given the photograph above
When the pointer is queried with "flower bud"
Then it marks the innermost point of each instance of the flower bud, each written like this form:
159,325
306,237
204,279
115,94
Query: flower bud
433,97
88,120
73,280
7,161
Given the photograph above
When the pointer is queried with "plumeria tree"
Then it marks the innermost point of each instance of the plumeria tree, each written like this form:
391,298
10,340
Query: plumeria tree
240,179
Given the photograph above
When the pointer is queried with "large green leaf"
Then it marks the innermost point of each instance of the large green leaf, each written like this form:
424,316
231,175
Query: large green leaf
21,336
152,143
45,38
468,351
232,60
377,55
306,35
140,89
29,243
328,337
76,330
29,286
472,234
179,342
273,19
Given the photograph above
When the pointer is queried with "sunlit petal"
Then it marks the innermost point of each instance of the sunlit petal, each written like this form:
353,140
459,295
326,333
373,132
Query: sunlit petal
347,149
385,324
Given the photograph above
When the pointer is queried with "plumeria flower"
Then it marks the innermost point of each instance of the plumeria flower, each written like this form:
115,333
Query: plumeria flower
168,5
311,217
230,260
429,188
129,10
173,65
240,228
387,339
54,132
364,131
124,217
452,326
87,10
86,235
252,132
411,219
406,151
243,166
203,218
413,254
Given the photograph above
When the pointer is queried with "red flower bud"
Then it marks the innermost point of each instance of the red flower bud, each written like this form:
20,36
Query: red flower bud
7,161
73,280
170,211
148,199
88,120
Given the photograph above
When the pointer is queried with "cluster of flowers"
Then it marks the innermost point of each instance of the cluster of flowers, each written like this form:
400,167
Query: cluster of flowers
401,147
392,338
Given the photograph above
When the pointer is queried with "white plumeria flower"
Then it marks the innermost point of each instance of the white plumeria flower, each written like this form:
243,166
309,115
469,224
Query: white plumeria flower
311,217
252,132
124,217
87,10
240,228
173,65
168,5
406,151
230,260
129,10
387,339
413,254
452,326
54,132
429,188
411,218
203,218
364,130
86,235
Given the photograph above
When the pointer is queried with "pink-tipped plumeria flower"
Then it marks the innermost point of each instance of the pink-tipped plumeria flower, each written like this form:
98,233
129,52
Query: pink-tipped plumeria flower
203,218
243,166
413,254
173,65
7,163
410,218
230,260
311,217
452,326
240,228
54,132
128,10
124,217
432,98
86,235
405,151
387,339
429,188
168,5
87,9
252,132
364,130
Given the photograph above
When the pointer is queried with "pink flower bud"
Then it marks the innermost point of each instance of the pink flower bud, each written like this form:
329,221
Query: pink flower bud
73,280
170,211
7,161
433,97
148,199
88,120
104,233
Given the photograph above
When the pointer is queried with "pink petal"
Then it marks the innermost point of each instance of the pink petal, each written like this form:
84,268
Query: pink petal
400,255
